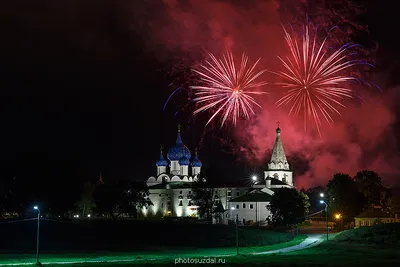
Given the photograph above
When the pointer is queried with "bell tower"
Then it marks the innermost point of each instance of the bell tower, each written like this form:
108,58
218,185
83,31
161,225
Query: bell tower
278,166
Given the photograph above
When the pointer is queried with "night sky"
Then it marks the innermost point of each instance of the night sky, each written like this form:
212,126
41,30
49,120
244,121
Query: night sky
83,85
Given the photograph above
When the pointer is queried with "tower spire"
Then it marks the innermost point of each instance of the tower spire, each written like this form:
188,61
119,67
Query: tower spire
278,158
179,127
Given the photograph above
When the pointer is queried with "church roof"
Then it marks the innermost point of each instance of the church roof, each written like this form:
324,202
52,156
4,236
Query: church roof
196,162
374,213
161,161
278,153
179,150
255,196
172,185
184,161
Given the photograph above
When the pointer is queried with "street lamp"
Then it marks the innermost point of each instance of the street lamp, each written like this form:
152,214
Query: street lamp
237,231
321,195
337,216
37,236
254,178
326,217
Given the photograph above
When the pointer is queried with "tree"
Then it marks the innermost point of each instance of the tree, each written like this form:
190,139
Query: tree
123,197
206,198
288,206
369,184
393,203
343,196
86,202
137,197
314,198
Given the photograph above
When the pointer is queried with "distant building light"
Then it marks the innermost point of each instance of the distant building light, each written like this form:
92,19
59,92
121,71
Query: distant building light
321,195
88,215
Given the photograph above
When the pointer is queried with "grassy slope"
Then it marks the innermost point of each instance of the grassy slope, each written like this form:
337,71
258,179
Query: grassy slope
145,256
349,248
377,234
128,236
127,239
326,254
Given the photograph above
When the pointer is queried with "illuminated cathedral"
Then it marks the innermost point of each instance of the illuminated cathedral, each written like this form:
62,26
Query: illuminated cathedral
171,190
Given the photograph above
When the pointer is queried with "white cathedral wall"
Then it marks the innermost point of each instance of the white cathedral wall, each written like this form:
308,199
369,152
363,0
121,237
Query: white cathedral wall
175,168
259,214
280,175
177,201
184,170
162,178
195,171
161,169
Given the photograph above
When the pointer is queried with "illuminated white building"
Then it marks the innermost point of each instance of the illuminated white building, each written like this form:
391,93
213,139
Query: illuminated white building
171,191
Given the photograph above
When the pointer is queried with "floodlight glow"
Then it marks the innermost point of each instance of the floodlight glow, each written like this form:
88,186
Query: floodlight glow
35,208
254,177
321,201
321,195
232,208
88,215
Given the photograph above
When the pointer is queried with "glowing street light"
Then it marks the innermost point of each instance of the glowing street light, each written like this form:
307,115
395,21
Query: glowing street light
326,217
37,237
254,178
321,195
237,230
338,216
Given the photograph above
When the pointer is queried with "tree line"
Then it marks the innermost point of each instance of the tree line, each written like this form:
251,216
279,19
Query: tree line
345,195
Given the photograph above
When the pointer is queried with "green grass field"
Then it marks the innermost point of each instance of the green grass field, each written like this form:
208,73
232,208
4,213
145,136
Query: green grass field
349,248
129,235
145,256
331,253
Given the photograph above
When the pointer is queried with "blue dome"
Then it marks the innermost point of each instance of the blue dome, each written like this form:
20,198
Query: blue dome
161,161
184,161
196,162
179,150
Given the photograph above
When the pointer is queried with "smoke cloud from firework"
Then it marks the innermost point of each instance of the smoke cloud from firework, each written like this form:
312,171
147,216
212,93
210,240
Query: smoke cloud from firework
363,138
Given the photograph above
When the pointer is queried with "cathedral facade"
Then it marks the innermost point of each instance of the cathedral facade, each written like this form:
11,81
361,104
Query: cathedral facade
171,190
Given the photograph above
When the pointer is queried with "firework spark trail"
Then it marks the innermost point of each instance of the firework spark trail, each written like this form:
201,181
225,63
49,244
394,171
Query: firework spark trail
227,88
315,80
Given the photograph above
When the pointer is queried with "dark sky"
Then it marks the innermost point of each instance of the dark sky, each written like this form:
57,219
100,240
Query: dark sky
81,92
